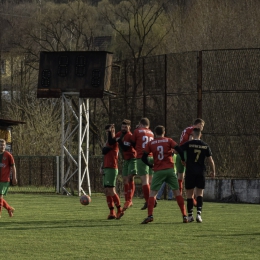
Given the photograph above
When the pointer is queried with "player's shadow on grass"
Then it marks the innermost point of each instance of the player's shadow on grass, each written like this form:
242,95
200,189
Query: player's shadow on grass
82,223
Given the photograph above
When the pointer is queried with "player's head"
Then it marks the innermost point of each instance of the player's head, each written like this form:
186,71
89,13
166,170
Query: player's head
125,126
144,122
159,130
196,133
2,145
199,123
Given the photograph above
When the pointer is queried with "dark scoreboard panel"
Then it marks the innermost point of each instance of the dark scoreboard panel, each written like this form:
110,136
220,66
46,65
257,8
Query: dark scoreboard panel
86,72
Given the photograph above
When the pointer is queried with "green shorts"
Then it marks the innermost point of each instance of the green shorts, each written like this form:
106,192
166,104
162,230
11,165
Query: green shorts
168,176
179,167
142,168
109,177
150,160
129,167
4,187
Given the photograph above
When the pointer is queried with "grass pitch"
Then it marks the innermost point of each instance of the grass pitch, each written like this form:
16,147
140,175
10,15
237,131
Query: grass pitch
59,227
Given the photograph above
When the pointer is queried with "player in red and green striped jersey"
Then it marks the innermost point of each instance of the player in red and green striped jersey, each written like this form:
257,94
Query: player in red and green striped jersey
128,153
6,166
110,172
162,149
141,136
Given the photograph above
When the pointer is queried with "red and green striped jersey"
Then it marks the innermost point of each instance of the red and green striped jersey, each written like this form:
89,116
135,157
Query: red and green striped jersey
6,161
111,158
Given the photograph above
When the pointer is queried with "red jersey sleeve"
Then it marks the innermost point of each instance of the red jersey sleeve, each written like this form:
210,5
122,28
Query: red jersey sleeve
185,135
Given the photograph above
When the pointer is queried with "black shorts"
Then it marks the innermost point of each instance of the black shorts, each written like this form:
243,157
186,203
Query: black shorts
194,180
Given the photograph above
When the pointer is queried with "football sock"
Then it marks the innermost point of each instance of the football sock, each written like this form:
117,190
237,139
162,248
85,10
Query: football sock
150,207
1,204
126,191
190,206
146,191
199,204
110,202
116,200
131,190
181,204
6,205
180,185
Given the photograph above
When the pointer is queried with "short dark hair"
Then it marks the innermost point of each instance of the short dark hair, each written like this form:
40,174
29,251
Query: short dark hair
126,122
159,130
199,121
145,121
196,132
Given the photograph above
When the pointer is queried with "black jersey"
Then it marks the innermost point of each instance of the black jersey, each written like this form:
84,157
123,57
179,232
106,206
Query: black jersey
197,151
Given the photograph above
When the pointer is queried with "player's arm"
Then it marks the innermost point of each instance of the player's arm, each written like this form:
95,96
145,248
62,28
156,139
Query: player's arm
111,135
133,139
133,143
106,149
14,178
179,150
123,145
212,167
111,140
145,159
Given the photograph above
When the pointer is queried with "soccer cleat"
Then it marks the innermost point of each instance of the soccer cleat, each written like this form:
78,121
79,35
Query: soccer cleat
144,206
120,213
185,219
147,220
111,216
11,212
190,218
127,205
198,218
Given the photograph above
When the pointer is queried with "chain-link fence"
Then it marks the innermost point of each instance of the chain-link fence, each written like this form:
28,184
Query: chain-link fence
221,86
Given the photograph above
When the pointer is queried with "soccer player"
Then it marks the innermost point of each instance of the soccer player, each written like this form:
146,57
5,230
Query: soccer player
162,148
110,172
6,166
141,136
196,151
128,152
186,136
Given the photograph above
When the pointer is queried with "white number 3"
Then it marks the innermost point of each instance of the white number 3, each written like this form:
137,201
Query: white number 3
160,154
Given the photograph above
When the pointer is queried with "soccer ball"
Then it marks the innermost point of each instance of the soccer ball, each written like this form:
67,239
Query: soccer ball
85,200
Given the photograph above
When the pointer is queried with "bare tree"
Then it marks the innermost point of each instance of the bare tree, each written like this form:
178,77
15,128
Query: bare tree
138,28
41,134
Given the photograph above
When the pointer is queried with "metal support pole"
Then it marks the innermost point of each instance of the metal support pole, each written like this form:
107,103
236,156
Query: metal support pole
58,174
87,145
80,145
199,85
62,140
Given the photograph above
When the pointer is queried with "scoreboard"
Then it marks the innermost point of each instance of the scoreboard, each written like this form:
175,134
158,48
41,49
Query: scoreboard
86,72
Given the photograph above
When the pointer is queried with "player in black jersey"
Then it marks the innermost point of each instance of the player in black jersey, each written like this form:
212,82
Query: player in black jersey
197,151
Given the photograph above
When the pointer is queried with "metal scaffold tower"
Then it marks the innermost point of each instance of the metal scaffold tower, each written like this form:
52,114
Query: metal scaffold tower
75,126
74,76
